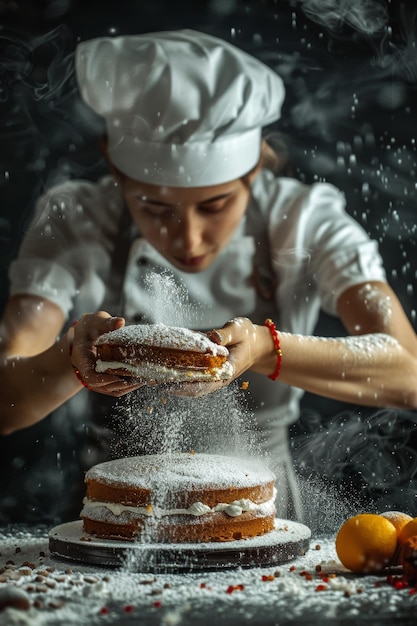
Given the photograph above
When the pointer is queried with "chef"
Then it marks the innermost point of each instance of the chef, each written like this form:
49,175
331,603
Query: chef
194,227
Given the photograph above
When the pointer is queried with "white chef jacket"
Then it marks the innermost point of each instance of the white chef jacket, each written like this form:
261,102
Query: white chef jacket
307,251
305,248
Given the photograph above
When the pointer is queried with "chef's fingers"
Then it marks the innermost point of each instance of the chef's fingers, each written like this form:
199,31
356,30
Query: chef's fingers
109,384
118,388
232,332
82,351
91,325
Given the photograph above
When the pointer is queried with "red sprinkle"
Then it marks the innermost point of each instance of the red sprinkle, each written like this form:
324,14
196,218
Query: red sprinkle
232,588
321,588
268,577
104,610
400,584
128,608
157,604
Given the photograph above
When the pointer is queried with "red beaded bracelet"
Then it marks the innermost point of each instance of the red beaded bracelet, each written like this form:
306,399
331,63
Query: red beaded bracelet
275,337
80,378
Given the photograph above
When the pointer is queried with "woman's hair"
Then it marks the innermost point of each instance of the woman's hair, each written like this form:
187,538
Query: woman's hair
274,153
274,156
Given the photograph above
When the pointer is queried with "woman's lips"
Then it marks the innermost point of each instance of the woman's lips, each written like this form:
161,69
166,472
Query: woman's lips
191,261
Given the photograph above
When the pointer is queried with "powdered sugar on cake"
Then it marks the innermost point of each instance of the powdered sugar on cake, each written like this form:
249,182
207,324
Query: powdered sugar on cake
179,498
162,336
159,354
182,470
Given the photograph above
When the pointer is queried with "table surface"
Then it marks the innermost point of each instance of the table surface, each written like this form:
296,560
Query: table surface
311,589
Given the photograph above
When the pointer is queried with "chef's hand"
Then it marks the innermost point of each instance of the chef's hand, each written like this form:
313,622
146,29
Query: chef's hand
83,354
245,342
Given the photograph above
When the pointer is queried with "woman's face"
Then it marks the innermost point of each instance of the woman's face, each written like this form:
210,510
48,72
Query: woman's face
188,226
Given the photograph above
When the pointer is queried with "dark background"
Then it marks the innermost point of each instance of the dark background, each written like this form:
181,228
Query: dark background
350,71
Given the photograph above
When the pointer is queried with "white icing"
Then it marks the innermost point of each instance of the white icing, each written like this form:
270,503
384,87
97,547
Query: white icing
197,509
163,336
108,510
154,372
237,507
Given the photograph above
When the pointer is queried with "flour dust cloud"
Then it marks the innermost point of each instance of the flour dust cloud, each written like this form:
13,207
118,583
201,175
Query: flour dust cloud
153,420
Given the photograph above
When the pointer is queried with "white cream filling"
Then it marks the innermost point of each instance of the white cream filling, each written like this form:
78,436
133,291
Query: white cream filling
151,371
232,509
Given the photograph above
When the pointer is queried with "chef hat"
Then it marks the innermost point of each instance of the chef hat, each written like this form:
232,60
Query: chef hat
182,108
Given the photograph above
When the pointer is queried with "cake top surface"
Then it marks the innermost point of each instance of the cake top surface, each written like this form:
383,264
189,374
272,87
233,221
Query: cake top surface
162,336
182,471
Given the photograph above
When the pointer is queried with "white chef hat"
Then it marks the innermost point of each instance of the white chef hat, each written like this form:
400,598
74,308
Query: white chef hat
182,108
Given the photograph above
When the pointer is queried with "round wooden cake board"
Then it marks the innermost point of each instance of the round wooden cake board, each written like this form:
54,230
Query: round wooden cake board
286,542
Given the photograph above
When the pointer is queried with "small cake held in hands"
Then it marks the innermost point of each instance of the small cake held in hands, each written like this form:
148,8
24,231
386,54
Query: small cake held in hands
158,354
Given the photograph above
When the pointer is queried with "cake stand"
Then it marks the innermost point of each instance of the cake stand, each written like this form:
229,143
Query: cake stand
287,541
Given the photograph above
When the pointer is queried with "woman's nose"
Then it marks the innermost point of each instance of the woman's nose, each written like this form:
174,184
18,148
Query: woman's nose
189,232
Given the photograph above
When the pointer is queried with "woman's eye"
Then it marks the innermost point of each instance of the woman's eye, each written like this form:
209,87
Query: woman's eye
213,207
157,212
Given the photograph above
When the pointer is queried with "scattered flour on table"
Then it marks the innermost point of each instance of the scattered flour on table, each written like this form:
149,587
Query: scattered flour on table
68,593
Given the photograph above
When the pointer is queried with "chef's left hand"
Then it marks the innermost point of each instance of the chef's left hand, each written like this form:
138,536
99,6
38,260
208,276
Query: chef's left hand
241,337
